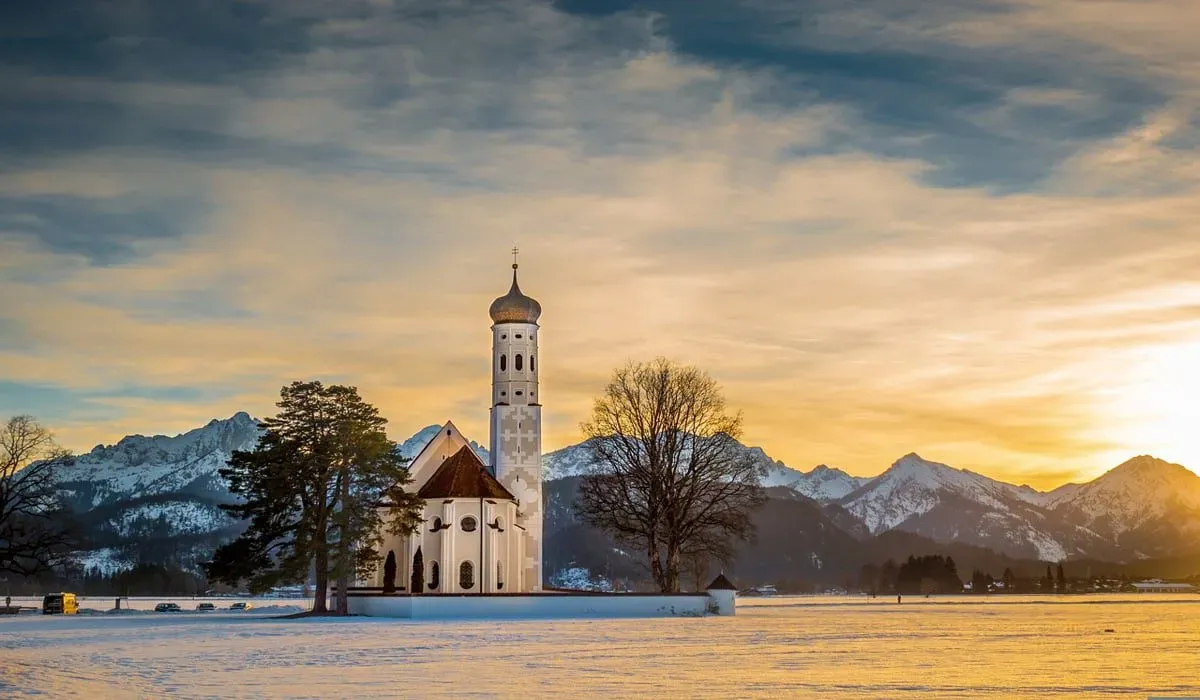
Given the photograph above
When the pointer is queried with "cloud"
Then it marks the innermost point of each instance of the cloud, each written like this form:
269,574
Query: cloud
880,236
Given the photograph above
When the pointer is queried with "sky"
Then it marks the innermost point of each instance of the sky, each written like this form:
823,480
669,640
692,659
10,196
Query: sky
965,229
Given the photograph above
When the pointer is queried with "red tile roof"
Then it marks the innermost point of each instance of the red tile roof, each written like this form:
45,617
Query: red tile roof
463,476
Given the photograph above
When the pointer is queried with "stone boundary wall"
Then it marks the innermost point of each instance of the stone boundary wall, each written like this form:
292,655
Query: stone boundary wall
546,605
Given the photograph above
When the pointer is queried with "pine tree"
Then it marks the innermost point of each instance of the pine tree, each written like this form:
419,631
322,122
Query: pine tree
418,573
389,573
1010,581
311,490
1061,580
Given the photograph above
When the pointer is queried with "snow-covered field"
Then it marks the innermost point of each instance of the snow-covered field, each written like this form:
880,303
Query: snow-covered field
1002,647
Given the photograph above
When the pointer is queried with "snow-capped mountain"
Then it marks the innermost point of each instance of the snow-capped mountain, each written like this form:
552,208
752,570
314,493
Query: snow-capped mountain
156,497
1138,491
1146,505
1143,508
161,494
140,466
947,504
822,484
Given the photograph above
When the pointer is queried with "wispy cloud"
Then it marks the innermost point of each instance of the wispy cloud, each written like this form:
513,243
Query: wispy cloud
882,229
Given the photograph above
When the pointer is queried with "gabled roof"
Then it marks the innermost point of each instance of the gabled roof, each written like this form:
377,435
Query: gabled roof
463,476
720,583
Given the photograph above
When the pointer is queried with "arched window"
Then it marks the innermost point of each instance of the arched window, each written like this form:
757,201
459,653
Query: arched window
503,363
517,362
466,576
532,366
468,524
499,575
435,576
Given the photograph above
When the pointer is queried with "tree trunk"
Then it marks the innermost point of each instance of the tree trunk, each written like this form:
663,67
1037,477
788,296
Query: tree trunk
656,567
344,546
321,564
671,575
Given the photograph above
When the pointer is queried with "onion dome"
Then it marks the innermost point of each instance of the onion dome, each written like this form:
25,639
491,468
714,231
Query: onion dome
515,307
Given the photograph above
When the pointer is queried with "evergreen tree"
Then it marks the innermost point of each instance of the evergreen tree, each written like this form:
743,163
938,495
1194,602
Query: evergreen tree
418,573
1010,581
1061,580
389,573
311,490
980,582
1048,581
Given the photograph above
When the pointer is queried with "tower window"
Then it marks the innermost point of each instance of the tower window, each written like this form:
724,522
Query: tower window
518,392
435,576
504,362
466,576
503,337
518,336
469,524
532,367
517,362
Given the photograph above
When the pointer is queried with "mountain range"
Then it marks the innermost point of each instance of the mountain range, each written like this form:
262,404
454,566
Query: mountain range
157,498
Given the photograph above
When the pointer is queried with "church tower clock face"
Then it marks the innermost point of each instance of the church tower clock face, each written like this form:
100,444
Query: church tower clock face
516,417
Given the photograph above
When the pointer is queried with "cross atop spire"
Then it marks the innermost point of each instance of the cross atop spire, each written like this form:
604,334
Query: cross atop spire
515,252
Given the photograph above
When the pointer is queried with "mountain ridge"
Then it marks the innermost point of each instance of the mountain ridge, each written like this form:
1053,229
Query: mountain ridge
166,486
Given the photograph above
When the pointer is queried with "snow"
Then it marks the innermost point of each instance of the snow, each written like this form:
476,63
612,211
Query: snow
107,561
913,486
139,466
822,484
1138,491
185,516
580,579
832,646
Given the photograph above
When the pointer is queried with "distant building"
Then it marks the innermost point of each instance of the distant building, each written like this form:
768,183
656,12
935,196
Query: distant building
1160,586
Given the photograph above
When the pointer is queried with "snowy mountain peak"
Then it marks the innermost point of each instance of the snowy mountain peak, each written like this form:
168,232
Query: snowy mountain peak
412,447
1142,490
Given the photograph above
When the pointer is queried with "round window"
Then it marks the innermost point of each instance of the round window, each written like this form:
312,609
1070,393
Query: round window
468,524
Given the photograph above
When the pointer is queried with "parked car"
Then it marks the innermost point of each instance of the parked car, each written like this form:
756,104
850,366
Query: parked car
168,607
60,604
240,606
206,607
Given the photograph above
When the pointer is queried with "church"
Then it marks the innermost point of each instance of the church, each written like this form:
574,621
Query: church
482,529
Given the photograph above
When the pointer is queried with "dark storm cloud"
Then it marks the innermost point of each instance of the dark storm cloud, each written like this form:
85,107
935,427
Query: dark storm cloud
931,99
103,231
150,39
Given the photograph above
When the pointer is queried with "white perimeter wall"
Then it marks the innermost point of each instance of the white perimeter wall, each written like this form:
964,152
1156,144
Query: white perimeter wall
542,606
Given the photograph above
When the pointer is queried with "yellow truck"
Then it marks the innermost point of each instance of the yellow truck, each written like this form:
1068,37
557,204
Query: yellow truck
60,604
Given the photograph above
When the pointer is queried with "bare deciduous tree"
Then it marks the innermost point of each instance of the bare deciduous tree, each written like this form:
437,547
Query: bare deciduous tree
33,532
668,474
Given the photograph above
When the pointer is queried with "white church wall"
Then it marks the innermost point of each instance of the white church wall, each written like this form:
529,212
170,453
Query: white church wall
448,607
443,446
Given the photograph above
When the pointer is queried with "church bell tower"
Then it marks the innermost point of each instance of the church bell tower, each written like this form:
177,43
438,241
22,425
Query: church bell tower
516,418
